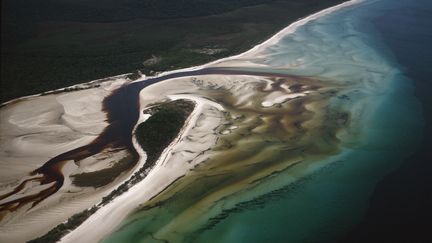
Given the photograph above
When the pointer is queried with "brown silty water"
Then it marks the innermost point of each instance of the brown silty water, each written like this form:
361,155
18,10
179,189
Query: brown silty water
266,139
255,143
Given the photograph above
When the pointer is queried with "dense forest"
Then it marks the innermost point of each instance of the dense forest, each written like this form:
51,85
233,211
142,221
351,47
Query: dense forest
50,44
120,10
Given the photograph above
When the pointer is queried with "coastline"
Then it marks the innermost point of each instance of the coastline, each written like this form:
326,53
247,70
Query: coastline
104,213
275,38
352,190
72,88
291,28
157,180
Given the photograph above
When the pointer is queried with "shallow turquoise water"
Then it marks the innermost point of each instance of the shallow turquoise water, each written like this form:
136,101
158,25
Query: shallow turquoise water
343,46
328,204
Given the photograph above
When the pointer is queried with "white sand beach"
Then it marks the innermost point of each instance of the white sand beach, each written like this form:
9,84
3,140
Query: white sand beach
37,128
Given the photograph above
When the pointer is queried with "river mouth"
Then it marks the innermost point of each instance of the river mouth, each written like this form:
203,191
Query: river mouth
298,163
117,136
275,131
284,142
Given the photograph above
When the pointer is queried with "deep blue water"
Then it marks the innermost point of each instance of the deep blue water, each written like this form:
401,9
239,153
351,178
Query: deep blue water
339,205
379,190
400,207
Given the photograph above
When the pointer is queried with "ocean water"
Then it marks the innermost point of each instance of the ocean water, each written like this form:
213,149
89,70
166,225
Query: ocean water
346,47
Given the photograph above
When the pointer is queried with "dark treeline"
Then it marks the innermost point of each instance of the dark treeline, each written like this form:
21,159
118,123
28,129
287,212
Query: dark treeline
119,10
51,44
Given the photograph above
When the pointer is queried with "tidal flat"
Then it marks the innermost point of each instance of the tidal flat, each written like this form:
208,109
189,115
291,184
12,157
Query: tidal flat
49,45
285,142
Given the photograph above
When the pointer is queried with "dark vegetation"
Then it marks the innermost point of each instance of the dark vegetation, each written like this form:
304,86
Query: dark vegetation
121,10
103,177
48,44
157,132
154,135
60,230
